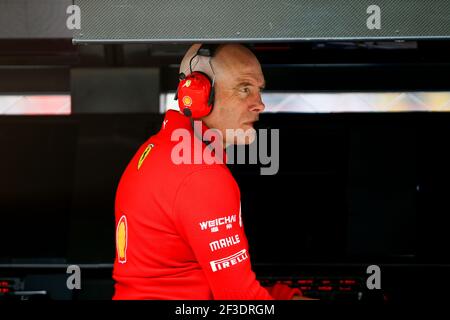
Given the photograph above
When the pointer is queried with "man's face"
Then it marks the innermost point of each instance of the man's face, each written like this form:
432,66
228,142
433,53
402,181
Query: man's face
238,101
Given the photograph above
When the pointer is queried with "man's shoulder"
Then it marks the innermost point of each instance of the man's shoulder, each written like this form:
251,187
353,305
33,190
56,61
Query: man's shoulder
170,163
213,172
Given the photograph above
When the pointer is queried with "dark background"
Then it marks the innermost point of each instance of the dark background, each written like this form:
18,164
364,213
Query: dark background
353,189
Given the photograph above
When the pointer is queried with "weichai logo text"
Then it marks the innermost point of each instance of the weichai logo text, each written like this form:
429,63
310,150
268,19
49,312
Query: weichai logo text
214,224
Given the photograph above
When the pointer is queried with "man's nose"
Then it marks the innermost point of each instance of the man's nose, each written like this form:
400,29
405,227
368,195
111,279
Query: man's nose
259,105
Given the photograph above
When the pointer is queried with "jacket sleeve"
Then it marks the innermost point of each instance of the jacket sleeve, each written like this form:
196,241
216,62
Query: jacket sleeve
207,215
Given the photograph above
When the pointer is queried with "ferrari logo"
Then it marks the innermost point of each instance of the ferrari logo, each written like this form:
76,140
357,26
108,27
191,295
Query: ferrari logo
145,154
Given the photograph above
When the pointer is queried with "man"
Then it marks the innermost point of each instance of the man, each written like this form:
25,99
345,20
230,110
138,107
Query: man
179,230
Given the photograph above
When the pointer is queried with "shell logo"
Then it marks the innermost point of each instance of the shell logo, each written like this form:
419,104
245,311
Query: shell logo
122,239
145,154
187,101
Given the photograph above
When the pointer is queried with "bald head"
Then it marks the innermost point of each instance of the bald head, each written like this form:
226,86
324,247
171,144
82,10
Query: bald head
228,60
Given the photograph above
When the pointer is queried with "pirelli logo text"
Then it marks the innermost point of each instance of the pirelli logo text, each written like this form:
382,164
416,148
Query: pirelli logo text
213,225
217,265
224,243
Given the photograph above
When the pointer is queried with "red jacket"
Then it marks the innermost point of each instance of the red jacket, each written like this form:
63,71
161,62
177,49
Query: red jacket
179,231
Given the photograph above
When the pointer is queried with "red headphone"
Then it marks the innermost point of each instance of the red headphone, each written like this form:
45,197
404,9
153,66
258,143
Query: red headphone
195,93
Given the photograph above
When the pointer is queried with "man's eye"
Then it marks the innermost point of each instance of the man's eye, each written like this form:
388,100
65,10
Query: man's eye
245,90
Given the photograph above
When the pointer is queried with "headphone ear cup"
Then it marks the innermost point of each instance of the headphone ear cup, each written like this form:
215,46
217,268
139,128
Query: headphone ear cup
195,95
